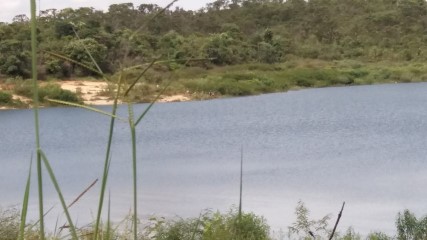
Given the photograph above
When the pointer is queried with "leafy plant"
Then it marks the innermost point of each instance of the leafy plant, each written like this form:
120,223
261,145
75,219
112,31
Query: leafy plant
305,228
211,226
5,97
409,227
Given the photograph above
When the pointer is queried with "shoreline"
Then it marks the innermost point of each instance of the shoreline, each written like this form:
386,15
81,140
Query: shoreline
91,93
90,90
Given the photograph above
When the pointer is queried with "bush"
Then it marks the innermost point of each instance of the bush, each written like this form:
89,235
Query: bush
54,91
50,90
212,226
5,98
409,227
9,224
230,226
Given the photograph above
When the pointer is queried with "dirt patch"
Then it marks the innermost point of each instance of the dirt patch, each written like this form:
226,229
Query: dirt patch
88,90
175,98
22,99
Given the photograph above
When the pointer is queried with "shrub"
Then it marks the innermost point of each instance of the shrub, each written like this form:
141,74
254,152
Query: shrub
378,236
211,226
409,227
50,90
239,76
5,98
231,226
302,227
54,91
9,224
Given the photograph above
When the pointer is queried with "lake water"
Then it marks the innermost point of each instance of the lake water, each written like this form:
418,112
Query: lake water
366,145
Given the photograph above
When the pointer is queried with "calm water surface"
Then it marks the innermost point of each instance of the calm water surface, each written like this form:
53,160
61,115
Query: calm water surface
366,145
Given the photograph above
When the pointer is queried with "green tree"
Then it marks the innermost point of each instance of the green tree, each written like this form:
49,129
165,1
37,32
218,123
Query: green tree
76,50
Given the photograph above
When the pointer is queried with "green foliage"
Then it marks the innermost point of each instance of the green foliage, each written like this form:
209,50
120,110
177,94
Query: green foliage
378,236
409,227
76,50
9,224
351,235
211,226
54,91
302,227
229,32
268,53
49,90
5,97
220,49
14,58
235,84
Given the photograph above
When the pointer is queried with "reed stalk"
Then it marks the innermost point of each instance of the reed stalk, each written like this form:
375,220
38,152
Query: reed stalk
25,204
107,159
36,113
134,172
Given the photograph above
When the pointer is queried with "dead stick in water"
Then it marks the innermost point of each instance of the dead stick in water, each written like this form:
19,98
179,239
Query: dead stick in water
338,220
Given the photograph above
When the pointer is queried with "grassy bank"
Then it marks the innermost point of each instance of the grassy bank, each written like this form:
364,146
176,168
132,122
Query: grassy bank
211,225
207,82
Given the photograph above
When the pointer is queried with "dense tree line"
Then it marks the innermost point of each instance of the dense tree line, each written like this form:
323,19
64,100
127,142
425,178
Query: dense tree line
226,31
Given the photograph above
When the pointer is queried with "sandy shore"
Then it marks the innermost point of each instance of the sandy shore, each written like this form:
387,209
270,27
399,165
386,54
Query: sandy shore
175,98
91,93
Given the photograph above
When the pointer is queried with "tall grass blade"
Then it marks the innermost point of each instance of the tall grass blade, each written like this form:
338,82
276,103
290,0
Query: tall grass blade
186,60
36,112
139,77
25,204
108,234
55,233
144,25
193,236
88,53
151,104
65,58
85,107
152,18
61,197
44,215
134,172
241,184
107,160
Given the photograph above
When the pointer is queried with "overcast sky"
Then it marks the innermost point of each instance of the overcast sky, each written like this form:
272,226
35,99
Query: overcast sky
11,8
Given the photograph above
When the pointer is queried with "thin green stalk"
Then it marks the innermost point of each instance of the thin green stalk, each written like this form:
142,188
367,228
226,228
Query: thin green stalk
88,52
144,25
108,234
107,160
241,184
97,71
44,215
25,204
134,172
151,104
85,107
61,197
36,112
139,77
193,236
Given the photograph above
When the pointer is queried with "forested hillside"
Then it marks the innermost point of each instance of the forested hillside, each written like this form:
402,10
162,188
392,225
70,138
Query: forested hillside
248,46
230,32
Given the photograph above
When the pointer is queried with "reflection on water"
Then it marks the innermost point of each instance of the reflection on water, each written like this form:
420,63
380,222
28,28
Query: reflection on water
364,145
